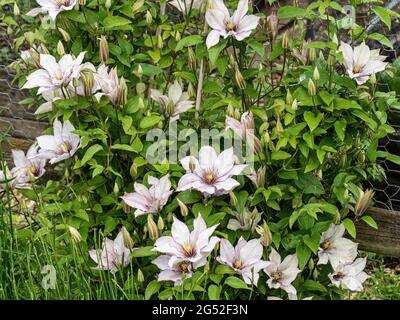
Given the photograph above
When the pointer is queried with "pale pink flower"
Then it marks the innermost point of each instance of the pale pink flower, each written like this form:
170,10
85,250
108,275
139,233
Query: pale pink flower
335,248
149,200
113,256
184,250
361,62
61,145
282,273
185,5
110,85
175,103
27,167
210,174
53,7
223,24
54,75
244,129
245,258
350,276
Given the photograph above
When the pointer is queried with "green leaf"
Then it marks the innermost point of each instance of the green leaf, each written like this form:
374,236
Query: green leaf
312,241
222,269
213,53
280,155
236,283
123,147
384,15
290,12
350,227
312,120
340,128
189,41
90,153
149,122
382,39
388,156
370,221
143,252
151,289
310,184
214,292
303,254
312,285
116,22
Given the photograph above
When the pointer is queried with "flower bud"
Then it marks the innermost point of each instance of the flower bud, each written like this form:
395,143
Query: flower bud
190,90
60,48
192,58
104,52
138,72
331,59
128,241
137,5
294,105
116,187
232,61
279,127
183,207
289,98
265,233
316,74
149,17
108,4
266,138
311,264
65,35
312,54
74,234
16,10
170,217
140,87
239,79
160,43
230,110
312,90
272,24
152,228
82,2
178,36
160,224
44,49
140,276
233,199
373,79
285,40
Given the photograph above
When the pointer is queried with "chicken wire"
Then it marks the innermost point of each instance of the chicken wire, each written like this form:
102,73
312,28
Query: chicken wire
387,191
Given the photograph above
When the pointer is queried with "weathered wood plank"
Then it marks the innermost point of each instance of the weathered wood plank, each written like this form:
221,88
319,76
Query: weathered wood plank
22,128
386,239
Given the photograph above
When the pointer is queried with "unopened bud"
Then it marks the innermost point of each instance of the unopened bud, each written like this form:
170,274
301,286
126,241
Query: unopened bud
230,111
236,114
160,224
60,48
128,241
312,54
316,74
272,24
233,199
265,233
65,35
104,52
140,276
160,43
279,127
140,87
331,59
311,264
373,79
266,138
137,5
232,61
108,4
178,36
312,90
192,58
183,207
74,234
152,228
82,2
116,187
16,10
190,90
239,79
289,98
149,17
294,105
138,72
285,40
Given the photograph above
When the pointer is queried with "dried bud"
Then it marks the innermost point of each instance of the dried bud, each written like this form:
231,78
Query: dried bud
152,228
137,5
316,74
239,79
140,276
128,241
312,90
265,233
104,52
233,199
60,48
192,58
74,234
160,224
183,207
149,17
65,35
285,40
364,200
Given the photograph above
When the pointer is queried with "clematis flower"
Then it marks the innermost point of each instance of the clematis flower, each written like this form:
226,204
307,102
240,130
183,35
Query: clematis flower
175,103
29,166
282,273
244,129
350,275
50,96
53,7
185,251
246,220
223,24
258,177
245,258
175,270
61,145
113,255
290,297
211,174
361,62
149,200
54,75
111,86
334,248
186,5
